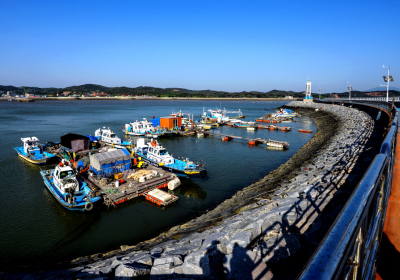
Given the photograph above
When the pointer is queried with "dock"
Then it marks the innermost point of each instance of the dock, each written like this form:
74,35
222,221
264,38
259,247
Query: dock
132,184
253,141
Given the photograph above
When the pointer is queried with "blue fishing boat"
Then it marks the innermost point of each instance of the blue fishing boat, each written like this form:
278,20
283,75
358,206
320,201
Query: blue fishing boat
70,191
32,151
155,154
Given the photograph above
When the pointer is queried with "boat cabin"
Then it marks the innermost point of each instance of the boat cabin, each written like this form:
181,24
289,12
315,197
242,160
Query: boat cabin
134,126
107,136
154,151
31,145
64,179
147,125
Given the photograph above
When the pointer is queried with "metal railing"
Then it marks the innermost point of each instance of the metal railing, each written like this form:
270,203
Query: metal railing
356,99
350,248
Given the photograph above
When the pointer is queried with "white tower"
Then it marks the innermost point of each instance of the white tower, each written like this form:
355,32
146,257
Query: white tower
308,89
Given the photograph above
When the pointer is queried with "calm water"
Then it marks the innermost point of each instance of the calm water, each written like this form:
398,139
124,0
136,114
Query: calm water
35,225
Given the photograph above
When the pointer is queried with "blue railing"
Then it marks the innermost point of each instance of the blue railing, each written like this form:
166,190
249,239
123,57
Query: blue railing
349,250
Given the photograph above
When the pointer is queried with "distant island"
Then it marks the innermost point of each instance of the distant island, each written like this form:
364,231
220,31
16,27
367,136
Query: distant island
90,90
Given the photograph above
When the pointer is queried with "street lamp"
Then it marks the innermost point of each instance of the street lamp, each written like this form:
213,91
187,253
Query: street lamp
387,79
350,89
320,90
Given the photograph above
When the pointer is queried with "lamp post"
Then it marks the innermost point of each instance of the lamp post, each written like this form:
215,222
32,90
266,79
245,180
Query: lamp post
320,90
350,89
387,79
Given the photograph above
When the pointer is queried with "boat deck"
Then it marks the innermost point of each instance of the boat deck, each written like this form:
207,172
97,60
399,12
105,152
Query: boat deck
131,188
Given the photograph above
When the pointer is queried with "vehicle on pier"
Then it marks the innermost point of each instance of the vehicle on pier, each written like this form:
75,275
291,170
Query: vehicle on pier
32,151
155,154
108,137
70,191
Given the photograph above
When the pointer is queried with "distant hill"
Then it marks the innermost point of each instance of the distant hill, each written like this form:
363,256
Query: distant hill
86,88
382,89
182,92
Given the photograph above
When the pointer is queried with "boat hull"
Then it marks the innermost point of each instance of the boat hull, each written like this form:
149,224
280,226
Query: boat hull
57,195
182,173
148,135
32,159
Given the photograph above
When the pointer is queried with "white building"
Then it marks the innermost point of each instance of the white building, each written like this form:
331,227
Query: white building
308,89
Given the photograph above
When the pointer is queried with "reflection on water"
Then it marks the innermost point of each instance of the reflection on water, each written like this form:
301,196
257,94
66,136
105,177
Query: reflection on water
190,189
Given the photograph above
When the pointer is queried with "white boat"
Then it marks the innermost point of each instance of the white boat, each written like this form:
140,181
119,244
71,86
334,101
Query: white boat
32,152
155,154
69,191
285,113
277,144
222,114
108,137
143,128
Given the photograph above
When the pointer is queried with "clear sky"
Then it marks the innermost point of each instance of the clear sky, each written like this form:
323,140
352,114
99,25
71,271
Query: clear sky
199,44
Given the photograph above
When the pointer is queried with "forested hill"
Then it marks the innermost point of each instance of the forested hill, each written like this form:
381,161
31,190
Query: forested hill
179,92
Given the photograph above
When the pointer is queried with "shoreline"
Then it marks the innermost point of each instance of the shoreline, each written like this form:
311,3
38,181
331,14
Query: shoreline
156,98
232,205
259,214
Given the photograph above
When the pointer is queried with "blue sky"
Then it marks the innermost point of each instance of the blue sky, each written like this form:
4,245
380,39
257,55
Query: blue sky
220,45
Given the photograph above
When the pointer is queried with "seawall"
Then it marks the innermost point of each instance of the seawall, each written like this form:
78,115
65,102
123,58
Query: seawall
267,229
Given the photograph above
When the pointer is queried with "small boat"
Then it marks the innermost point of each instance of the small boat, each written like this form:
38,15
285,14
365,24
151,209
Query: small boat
32,151
244,124
285,113
305,131
155,154
108,137
277,144
267,119
222,114
143,128
70,191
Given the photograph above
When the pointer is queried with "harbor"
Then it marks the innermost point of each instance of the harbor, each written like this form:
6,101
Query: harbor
195,194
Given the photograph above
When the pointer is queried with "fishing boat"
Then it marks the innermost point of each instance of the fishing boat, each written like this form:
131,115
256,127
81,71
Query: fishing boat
244,124
285,113
143,128
268,119
222,114
32,151
277,144
155,154
108,137
70,192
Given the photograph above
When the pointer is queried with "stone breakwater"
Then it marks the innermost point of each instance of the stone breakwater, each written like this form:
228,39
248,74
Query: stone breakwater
254,234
